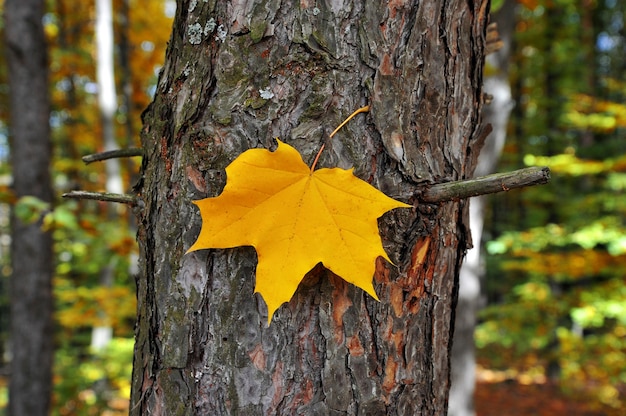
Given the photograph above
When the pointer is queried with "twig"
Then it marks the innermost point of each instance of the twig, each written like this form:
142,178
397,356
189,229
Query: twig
102,196
498,182
111,154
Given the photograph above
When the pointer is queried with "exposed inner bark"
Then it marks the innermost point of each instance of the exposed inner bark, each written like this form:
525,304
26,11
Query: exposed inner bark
236,76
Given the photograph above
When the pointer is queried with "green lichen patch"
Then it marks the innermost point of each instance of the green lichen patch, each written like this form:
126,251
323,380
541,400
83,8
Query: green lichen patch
255,102
257,30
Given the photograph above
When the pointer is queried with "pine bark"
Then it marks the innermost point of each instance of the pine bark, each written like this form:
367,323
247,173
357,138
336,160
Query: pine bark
236,76
32,343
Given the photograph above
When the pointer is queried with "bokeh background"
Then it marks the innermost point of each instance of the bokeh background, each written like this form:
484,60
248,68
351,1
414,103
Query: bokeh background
551,333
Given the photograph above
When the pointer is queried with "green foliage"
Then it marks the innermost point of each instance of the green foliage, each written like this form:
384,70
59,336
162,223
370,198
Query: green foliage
558,253
89,236
30,209
93,383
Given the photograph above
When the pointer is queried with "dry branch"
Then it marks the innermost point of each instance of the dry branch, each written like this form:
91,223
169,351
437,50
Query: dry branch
102,196
112,154
498,182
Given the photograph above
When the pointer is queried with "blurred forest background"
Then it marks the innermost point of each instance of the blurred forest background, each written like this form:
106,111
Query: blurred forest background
554,292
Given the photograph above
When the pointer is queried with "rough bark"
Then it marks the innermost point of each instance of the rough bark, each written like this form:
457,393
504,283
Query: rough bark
236,76
31,248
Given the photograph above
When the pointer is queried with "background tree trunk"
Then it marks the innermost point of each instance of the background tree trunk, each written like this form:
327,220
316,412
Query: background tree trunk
31,248
236,76
101,335
496,114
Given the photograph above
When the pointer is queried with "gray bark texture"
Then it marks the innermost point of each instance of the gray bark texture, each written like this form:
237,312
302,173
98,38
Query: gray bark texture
239,74
31,248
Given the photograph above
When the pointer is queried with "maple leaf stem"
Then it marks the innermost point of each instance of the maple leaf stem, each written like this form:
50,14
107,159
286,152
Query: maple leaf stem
317,156
350,117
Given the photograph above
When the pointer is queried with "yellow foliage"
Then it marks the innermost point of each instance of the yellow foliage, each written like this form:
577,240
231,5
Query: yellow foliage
150,30
588,112
572,264
568,163
95,306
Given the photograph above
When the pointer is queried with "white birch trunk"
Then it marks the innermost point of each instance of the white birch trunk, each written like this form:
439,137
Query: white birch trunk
107,103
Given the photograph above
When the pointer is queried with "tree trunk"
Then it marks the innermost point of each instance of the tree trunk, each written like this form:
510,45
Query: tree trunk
236,76
31,248
496,114
101,335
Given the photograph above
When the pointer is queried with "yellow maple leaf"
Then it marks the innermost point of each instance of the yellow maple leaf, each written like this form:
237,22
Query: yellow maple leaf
296,218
